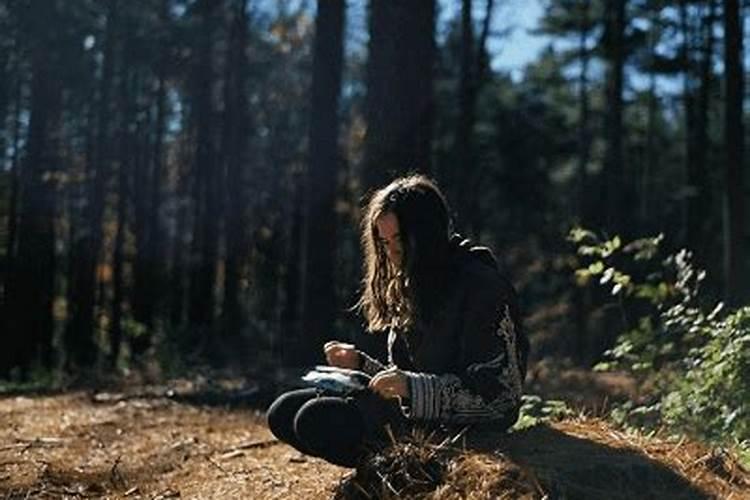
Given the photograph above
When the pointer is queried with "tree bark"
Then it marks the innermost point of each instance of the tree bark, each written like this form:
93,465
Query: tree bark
206,230
734,143
699,204
79,333
288,347
236,135
118,259
29,319
616,185
319,237
399,106
7,58
583,212
464,169
150,260
15,181
584,132
180,244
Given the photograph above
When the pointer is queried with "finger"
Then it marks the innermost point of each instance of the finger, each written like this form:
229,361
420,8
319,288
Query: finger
330,345
381,389
380,383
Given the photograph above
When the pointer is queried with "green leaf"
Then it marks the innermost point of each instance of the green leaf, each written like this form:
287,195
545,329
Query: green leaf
596,267
579,234
583,276
607,276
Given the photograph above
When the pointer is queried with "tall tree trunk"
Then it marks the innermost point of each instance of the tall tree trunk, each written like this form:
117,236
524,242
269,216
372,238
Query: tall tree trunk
79,333
236,135
118,260
29,319
479,74
180,244
15,181
583,212
584,132
464,169
616,185
319,237
142,296
699,205
157,250
289,346
644,191
482,56
734,139
7,76
150,259
691,214
205,234
126,146
399,106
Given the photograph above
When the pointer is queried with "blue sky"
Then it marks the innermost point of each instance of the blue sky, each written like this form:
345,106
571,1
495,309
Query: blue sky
509,53
521,46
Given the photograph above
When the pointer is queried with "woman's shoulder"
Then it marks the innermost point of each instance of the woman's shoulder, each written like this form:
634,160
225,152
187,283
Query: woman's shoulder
479,272
474,262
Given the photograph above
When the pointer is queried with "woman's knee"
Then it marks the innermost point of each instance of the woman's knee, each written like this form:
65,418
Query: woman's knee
333,428
282,412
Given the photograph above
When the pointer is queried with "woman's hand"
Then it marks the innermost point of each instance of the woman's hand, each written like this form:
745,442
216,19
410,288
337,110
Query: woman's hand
341,355
390,383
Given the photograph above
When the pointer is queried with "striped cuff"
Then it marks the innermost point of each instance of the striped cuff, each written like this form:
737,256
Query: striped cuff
369,365
424,397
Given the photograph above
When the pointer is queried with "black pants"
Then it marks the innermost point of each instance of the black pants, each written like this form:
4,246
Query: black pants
338,429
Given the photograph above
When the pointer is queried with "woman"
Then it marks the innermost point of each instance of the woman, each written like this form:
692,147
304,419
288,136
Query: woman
456,352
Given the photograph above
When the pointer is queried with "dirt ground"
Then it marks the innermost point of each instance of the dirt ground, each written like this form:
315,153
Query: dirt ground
109,445
206,438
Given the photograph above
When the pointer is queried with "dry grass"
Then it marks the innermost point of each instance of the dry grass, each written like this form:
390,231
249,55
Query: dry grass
578,458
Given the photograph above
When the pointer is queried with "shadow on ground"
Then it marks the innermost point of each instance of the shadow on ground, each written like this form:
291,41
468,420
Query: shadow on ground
567,466
581,459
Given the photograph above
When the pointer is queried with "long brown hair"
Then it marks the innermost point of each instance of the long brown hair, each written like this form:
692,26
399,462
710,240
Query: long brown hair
408,295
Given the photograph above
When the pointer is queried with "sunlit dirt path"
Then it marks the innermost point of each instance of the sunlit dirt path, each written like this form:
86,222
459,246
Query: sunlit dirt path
86,445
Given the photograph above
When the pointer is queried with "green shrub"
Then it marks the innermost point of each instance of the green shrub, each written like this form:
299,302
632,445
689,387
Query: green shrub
696,356
535,410
713,399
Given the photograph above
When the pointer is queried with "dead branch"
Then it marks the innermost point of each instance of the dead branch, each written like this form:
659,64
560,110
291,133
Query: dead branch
264,443
232,454
168,493
132,491
215,464
26,444
115,477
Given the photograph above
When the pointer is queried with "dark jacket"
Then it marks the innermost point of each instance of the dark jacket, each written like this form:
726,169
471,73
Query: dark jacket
468,363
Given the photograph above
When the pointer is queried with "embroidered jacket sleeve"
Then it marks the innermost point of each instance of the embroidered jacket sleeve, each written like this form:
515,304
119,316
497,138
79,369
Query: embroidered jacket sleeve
487,385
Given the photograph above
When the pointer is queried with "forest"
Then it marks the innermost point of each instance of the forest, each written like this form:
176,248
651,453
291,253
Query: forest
182,184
